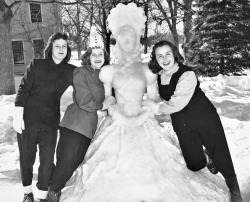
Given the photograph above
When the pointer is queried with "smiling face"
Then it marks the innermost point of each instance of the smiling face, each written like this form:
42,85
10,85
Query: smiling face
165,57
127,39
59,50
97,58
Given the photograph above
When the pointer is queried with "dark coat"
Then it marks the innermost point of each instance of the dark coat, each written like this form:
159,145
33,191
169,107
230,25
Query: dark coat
81,115
199,112
40,92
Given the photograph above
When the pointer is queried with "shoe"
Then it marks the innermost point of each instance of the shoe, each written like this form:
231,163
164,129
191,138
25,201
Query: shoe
234,189
40,200
28,197
53,196
210,163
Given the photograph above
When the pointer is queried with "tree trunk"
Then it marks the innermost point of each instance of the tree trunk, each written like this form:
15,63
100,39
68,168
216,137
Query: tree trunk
7,82
187,22
146,28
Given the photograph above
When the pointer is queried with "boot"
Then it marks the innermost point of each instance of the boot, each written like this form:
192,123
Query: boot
40,200
232,184
28,197
210,163
53,196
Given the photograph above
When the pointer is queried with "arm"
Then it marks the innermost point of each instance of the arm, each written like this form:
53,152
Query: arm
21,97
26,85
182,95
83,95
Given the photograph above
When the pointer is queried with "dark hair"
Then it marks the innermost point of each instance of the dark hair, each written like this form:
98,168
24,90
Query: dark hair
86,57
52,38
153,64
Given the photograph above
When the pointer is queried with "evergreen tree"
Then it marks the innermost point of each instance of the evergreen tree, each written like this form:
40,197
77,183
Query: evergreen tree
220,42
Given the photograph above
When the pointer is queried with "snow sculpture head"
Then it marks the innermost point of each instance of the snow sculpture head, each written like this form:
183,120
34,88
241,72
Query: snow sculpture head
127,23
123,15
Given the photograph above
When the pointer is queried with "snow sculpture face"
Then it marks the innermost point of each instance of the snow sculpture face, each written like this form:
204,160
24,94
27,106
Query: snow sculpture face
127,39
97,58
59,50
165,57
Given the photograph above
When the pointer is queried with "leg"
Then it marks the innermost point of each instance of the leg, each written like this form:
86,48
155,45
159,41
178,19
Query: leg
216,143
192,149
47,145
27,142
71,150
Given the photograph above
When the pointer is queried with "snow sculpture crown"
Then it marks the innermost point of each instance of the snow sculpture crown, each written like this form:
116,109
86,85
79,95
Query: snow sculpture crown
95,39
128,14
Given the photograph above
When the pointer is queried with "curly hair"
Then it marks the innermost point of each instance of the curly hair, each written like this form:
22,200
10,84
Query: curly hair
86,57
52,39
153,64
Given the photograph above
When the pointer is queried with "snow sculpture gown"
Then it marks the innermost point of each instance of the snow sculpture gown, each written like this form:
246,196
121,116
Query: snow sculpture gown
133,159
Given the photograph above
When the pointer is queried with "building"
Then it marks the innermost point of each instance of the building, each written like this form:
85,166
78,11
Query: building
31,27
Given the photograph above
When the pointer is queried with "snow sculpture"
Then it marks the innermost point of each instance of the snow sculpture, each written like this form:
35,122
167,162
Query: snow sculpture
132,158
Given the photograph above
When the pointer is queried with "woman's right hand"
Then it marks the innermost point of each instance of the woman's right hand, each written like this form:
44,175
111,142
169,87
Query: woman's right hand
111,109
108,101
18,122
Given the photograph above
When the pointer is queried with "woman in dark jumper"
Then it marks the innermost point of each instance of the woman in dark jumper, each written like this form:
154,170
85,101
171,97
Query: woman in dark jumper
37,113
194,118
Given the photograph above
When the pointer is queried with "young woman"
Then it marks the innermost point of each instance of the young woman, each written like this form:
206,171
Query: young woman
38,113
80,120
194,118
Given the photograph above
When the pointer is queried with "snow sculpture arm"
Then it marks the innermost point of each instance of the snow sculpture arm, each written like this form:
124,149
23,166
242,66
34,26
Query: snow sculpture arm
151,78
106,76
152,92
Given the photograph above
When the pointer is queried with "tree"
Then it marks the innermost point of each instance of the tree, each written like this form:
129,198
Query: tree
219,43
169,14
76,22
7,83
187,23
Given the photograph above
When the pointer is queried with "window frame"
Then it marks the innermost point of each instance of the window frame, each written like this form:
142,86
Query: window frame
34,50
14,52
41,13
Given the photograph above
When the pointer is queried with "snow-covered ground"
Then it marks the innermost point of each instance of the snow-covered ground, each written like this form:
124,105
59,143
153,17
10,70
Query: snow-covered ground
231,96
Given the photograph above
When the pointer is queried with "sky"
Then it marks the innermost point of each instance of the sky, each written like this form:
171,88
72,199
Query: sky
231,97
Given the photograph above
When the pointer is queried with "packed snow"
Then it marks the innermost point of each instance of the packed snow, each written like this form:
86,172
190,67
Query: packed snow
231,96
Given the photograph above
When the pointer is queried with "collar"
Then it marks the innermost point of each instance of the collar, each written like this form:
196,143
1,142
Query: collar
51,62
167,74
171,71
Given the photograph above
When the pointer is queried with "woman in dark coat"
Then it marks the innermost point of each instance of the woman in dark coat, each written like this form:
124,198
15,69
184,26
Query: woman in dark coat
194,118
37,113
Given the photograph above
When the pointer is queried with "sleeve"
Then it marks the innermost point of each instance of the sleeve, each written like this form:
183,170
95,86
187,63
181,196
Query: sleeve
83,95
25,85
182,95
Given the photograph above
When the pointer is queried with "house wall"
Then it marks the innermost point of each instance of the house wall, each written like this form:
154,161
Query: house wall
22,29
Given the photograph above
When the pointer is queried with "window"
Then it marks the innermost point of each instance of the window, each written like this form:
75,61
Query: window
17,48
35,12
38,48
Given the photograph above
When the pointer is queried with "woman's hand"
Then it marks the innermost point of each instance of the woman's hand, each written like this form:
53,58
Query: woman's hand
152,105
110,100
